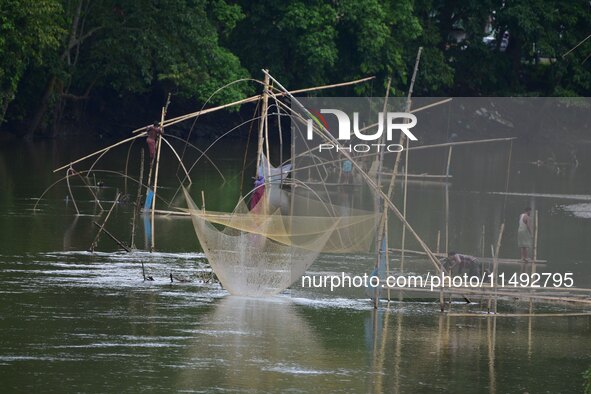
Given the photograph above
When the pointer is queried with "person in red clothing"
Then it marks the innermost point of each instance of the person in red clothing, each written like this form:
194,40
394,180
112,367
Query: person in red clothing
259,192
153,132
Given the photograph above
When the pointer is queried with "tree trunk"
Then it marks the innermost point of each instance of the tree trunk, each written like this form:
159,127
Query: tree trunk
4,101
43,106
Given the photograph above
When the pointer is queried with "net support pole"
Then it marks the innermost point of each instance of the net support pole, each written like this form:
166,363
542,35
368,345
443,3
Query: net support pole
156,170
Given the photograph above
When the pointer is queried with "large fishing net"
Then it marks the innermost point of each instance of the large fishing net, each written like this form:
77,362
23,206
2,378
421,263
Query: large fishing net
262,251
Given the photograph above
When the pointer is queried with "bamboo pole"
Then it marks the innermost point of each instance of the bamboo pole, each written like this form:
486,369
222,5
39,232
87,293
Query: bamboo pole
521,294
263,121
380,158
414,111
96,199
576,46
136,209
99,151
508,176
268,155
495,260
438,240
535,249
69,172
127,165
447,201
567,314
486,259
387,258
382,229
483,240
102,226
252,99
404,199
158,137
178,158
419,147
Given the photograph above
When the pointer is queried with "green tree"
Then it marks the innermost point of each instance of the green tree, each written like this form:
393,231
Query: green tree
312,42
115,49
28,28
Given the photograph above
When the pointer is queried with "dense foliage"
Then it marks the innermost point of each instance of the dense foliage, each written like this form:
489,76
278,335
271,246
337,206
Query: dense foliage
62,61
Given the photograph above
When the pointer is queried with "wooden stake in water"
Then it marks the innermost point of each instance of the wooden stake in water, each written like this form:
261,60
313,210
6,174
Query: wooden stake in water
102,226
496,261
136,209
438,240
263,121
164,109
382,228
69,173
447,201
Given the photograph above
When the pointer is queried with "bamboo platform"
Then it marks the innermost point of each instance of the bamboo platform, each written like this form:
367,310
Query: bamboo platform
430,177
561,295
165,212
489,260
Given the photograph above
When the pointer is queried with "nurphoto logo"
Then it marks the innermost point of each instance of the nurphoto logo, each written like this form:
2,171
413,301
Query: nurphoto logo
393,121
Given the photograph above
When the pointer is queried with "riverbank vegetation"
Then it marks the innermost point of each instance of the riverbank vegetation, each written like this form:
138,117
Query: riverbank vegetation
66,63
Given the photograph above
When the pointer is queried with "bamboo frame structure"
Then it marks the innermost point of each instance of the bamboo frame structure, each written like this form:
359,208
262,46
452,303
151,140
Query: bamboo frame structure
325,135
385,197
252,99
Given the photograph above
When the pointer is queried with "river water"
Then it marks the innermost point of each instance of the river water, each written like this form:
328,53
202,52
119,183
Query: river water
72,320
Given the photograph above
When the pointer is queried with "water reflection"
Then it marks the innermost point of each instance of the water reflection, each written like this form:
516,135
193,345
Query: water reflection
448,353
254,344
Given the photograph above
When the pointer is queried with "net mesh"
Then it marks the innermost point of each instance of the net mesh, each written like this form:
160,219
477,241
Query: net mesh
262,251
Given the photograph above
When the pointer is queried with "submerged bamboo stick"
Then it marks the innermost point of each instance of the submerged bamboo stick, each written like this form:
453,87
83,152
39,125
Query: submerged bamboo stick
69,172
102,226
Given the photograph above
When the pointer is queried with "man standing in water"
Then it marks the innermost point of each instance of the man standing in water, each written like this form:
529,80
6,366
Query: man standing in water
524,234
153,132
